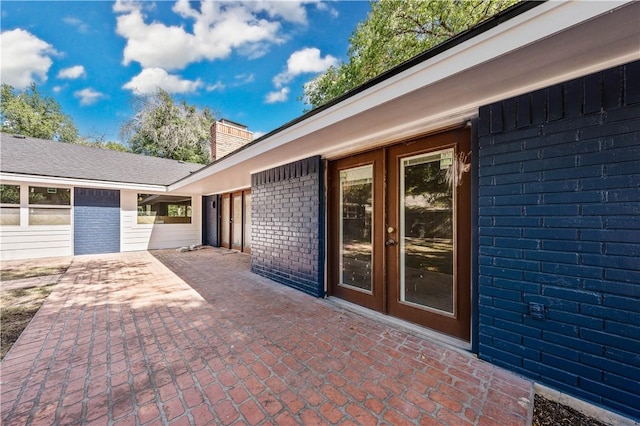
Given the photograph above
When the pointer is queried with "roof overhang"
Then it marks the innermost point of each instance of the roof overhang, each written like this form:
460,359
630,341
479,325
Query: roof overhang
542,46
7,178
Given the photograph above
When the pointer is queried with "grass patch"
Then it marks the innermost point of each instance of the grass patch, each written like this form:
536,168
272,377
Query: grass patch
9,274
17,307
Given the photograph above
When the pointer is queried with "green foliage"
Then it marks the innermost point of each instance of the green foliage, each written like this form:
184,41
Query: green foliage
162,127
394,32
10,194
100,143
429,181
31,114
114,146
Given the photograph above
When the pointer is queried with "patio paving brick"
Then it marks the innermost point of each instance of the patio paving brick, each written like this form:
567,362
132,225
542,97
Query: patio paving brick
195,338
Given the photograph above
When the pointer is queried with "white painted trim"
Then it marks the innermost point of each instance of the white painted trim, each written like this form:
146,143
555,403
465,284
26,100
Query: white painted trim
56,181
235,188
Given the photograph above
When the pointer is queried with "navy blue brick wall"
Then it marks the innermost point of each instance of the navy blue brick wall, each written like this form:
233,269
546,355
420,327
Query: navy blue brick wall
287,225
559,228
96,220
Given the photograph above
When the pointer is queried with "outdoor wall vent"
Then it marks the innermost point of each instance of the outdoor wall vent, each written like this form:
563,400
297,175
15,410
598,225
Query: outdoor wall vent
536,310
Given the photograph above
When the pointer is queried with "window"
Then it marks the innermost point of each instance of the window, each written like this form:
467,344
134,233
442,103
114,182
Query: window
157,208
50,196
54,206
10,205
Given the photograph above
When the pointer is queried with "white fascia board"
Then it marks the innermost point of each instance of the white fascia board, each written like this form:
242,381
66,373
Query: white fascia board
518,32
529,27
47,180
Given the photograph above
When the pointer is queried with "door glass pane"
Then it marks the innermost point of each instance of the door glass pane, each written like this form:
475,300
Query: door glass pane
237,220
224,221
356,227
427,232
247,221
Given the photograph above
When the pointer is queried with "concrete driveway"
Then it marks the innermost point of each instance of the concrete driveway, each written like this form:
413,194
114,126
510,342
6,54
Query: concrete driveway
195,338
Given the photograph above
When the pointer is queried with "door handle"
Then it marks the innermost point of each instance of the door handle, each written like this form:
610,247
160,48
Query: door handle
390,242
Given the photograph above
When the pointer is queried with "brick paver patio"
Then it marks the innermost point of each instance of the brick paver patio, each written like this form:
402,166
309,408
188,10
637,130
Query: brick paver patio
122,340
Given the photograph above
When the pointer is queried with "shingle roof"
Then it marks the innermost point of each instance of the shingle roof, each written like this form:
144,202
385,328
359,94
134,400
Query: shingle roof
32,156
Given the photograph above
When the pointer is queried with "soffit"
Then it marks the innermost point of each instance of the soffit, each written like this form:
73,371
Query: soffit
447,89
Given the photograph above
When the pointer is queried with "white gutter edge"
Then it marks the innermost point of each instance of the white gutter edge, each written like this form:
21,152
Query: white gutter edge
17,177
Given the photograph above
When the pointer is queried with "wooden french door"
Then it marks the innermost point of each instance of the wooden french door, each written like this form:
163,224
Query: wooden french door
225,220
355,222
399,232
235,220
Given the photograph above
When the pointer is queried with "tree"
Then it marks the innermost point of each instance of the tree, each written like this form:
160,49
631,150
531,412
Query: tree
101,142
31,114
161,127
394,32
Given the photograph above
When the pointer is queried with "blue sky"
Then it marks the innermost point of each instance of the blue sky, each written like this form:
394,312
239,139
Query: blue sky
247,61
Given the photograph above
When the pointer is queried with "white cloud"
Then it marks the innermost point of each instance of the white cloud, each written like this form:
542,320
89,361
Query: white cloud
242,79
307,60
150,79
278,96
217,86
24,59
72,73
88,96
123,6
78,23
57,89
326,8
292,11
216,30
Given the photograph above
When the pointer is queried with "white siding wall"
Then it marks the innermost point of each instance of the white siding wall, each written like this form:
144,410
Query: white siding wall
135,237
30,242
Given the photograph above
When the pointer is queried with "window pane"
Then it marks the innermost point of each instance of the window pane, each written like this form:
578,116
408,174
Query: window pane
10,194
10,216
158,208
427,231
356,226
52,196
41,216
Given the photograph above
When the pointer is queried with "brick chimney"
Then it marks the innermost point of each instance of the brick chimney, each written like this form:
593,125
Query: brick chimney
226,137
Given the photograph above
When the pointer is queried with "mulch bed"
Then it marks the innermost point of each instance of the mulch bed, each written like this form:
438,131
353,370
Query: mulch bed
551,413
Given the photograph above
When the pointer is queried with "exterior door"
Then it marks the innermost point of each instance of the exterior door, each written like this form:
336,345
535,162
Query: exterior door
236,221
225,220
246,233
355,225
410,257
